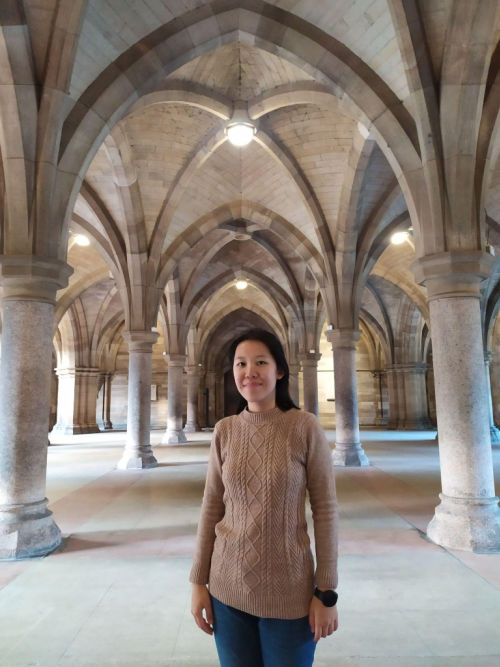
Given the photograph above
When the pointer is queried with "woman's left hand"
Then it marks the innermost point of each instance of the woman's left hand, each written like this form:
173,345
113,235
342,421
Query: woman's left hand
323,620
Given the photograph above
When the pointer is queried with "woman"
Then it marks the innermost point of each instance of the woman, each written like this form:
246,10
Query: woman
265,602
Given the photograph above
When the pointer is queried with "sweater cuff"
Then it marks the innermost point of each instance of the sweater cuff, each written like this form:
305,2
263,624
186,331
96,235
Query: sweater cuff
197,575
325,578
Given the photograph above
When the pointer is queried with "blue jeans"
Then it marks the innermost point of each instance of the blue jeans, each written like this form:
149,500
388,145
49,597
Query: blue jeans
244,640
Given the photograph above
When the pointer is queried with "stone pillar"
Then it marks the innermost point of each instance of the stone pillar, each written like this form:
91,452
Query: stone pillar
410,395
193,389
27,527
417,413
77,401
395,399
211,385
293,383
108,377
380,419
348,450
309,363
138,453
174,433
494,432
468,516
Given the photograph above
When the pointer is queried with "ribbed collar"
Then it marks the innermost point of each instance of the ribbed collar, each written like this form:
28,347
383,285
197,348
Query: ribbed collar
260,417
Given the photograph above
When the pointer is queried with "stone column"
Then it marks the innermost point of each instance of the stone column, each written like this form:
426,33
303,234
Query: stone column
27,527
193,388
77,401
468,516
411,408
380,419
108,377
138,453
174,433
309,363
211,385
348,450
394,398
494,432
293,383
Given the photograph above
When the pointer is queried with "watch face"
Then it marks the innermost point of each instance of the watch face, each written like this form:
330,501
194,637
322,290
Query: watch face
329,598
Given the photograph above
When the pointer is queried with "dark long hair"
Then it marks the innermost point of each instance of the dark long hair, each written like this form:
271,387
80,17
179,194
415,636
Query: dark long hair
283,398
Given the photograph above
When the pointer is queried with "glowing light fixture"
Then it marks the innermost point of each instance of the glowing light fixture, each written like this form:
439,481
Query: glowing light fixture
399,237
81,239
240,130
240,134
241,284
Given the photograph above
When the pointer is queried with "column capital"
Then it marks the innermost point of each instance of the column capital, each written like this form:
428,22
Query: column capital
175,360
309,358
454,273
140,341
343,338
193,369
31,278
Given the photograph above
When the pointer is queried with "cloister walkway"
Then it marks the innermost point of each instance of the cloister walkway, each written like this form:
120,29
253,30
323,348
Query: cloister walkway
116,592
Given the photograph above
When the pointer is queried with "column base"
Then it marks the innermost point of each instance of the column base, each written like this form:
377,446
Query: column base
27,531
174,437
191,428
494,435
107,426
466,524
349,454
137,459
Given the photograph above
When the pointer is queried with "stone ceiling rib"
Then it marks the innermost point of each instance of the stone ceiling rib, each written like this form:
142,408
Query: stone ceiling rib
200,229
102,100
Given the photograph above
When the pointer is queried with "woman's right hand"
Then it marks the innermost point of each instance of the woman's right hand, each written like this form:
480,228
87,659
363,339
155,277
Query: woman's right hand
200,602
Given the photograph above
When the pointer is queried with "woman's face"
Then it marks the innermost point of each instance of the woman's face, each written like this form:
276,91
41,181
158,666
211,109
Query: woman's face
255,373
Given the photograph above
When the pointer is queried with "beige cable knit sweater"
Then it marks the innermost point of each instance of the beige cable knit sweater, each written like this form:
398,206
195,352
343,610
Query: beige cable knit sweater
252,547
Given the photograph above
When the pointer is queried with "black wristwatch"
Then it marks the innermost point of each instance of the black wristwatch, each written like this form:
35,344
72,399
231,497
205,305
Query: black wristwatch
328,598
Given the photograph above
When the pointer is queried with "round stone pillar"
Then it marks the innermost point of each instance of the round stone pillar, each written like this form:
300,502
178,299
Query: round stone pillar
395,398
77,401
468,516
27,527
408,399
293,383
309,363
193,388
494,432
138,453
107,402
174,433
380,419
348,450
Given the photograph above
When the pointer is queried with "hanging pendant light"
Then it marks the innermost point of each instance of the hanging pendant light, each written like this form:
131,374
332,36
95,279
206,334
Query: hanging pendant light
240,130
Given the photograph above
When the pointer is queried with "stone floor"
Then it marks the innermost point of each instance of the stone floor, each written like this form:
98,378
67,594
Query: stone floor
116,592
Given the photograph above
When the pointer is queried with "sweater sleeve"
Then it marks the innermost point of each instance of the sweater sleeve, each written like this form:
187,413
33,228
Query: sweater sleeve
212,511
323,498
